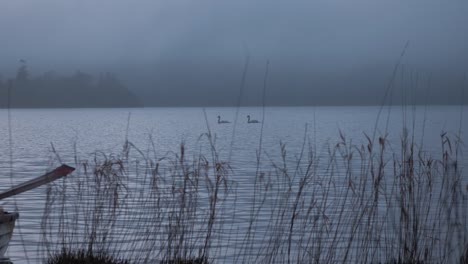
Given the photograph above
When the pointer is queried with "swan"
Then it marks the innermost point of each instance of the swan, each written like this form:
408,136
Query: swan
251,121
222,121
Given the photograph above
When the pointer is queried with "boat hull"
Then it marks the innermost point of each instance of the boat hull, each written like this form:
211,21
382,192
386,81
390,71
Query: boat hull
7,224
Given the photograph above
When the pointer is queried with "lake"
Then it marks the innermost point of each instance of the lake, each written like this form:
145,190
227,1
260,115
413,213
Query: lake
158,132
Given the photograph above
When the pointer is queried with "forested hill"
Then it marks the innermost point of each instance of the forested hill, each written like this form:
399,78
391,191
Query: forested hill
50,90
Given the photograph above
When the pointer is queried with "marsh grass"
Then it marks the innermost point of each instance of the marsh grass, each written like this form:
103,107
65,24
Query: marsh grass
68,256
359,203
166,209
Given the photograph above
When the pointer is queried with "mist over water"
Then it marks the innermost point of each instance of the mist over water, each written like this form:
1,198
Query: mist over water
192,53
80,78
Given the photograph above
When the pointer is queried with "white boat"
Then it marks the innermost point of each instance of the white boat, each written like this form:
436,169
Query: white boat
7,220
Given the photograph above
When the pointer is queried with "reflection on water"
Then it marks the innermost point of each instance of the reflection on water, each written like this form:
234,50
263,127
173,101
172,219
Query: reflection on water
158,131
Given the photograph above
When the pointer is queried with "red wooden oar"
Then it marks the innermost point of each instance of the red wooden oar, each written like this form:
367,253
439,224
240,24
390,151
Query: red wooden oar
58,173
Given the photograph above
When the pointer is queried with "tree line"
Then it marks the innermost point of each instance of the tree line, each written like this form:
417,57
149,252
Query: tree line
51,90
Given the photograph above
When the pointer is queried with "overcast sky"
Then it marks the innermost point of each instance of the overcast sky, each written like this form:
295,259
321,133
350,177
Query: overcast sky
320,35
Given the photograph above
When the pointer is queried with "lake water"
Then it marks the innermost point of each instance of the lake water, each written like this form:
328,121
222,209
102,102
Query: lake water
80,132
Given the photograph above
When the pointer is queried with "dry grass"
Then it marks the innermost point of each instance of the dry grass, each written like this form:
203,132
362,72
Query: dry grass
358,204
80,256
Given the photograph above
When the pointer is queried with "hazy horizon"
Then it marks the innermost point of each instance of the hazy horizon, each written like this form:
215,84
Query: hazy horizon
193,53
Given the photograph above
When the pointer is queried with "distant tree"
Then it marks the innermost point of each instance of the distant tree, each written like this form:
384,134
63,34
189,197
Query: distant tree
22,74
77,90
82,79
109,81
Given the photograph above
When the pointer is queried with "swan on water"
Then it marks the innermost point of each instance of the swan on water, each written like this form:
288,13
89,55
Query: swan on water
222,121
251,121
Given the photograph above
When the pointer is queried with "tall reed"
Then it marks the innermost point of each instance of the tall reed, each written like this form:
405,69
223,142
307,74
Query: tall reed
356,203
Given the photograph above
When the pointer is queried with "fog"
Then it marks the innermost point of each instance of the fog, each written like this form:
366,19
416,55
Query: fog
193,52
